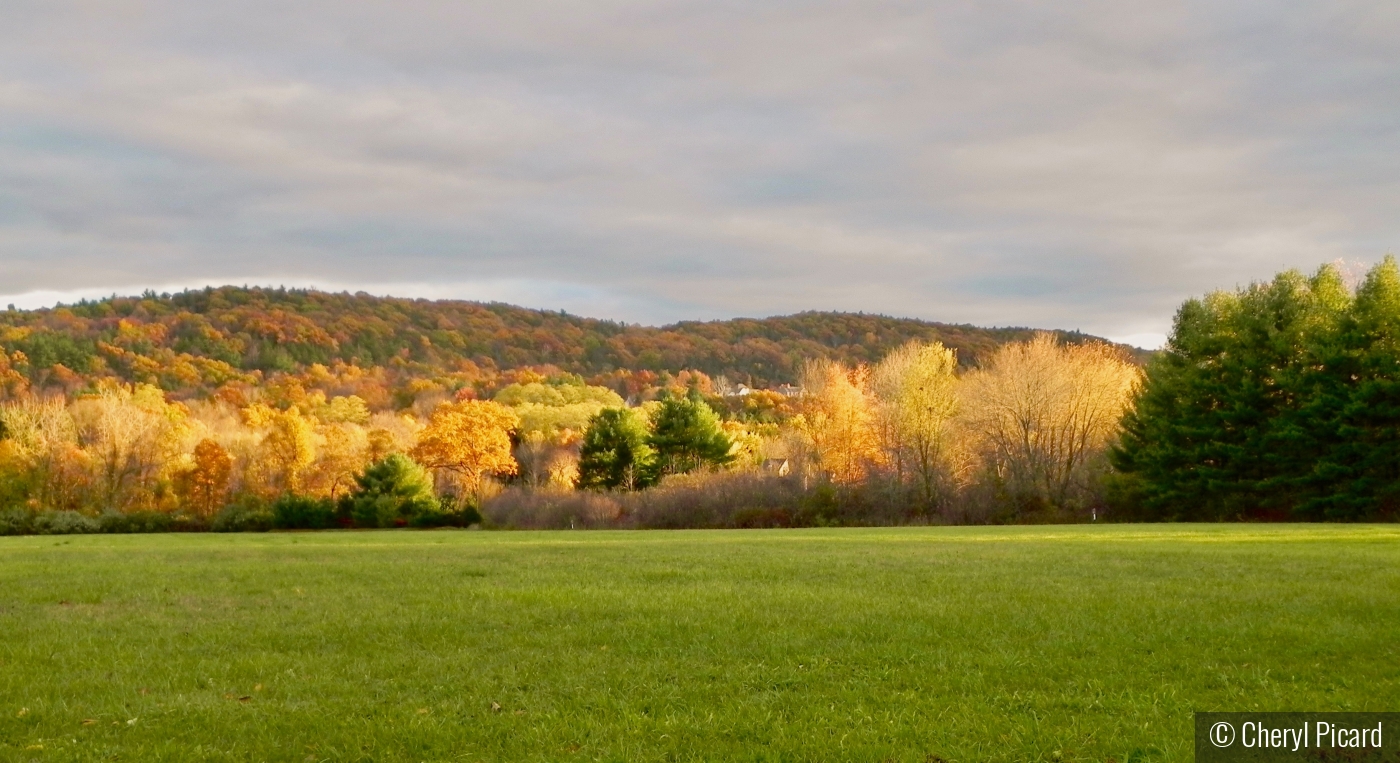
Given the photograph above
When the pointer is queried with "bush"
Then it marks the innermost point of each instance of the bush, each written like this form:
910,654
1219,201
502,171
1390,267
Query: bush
469,515
721,500
249,515
64,523
727,499
717,500
391,493
554,510
296,512
136,522
16,522
24,522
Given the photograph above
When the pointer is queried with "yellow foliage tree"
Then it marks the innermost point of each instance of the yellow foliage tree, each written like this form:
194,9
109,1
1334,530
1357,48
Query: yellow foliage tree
350,409
916,390
41,439
287,449
469,439
380,443
839,418
132,435
747,446
343,453
1043,413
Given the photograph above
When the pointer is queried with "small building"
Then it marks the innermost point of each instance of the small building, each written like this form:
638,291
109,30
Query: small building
778,466
788,390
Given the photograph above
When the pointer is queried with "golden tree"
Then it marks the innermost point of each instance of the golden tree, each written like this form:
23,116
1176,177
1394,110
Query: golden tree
41,442
287,449
916,389
343,453
1043,413
469,439
133,435
839,418
380,443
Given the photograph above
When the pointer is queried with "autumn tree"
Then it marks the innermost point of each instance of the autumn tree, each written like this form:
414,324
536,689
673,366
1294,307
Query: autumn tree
470,440
1044,414
342,452
915,389
133,435
349,409
206,485
287,449
838,416
41,451
380,443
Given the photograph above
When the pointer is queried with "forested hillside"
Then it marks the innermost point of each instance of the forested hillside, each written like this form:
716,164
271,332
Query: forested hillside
197,341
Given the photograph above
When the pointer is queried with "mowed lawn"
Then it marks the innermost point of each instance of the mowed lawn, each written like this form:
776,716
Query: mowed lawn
922,644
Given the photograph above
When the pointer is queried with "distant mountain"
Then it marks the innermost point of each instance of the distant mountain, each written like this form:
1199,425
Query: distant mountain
200,339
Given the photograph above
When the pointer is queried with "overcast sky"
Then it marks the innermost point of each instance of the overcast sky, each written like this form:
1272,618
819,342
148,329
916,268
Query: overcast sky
1069,165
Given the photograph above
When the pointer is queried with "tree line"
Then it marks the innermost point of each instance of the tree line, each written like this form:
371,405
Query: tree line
1280,400
1274,401
1030,426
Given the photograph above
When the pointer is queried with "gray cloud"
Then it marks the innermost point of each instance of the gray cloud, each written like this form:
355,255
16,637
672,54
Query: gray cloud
998,163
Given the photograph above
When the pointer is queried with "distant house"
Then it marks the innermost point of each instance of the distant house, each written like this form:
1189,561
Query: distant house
778,466
739,391
788,390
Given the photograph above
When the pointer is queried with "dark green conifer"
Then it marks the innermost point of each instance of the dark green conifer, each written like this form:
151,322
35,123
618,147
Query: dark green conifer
686,435
615,454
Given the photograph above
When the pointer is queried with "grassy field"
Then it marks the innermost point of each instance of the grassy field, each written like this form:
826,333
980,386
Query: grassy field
955,644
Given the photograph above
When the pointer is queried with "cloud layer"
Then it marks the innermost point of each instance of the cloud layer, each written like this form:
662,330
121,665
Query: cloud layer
1072,166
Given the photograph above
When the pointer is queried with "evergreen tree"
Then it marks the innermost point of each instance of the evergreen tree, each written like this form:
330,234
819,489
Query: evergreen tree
1359,475
392,492
615,454
687,436
1231,418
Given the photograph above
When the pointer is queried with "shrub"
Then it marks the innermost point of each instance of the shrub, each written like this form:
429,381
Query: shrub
723,499
16,521
391,492
297,512
469,515
556,510
248,515
64,523
141,522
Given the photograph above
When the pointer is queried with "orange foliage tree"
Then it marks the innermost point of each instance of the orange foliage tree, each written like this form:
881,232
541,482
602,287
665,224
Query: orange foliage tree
470,439
206,484
839,417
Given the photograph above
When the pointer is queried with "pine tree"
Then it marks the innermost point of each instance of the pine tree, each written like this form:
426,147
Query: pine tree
615,454
687,436
1359,475
391,492
1231,418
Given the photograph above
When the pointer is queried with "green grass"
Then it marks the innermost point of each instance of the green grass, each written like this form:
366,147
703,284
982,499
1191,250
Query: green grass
961,644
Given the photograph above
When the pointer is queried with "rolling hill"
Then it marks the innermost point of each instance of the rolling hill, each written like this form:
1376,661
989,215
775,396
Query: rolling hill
196,341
